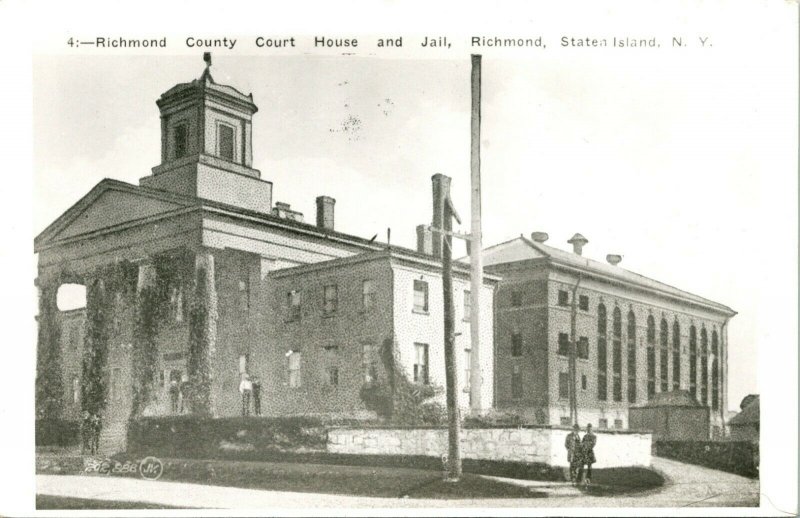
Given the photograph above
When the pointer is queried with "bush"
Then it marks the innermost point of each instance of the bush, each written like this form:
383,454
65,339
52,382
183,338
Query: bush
740,457
206,437
494,419
58,432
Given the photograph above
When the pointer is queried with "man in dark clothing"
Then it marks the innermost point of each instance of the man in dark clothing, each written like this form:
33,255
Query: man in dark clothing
573,446
256,395
587,447
86,432
174,395
96,427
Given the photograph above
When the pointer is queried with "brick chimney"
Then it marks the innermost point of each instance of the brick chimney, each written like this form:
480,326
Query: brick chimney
614,259
578,242
325,212
539,237
424,240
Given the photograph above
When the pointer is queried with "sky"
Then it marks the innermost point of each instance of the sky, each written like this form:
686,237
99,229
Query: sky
666,161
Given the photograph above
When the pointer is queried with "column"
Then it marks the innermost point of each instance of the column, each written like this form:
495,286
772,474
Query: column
145,351
49,375
203,335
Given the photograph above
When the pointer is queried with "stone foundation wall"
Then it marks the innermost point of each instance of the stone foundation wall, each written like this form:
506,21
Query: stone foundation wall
530,444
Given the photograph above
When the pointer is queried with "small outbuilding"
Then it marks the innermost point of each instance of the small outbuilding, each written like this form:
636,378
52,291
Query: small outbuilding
672,416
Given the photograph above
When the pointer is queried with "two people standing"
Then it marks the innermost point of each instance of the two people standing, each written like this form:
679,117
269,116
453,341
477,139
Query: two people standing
580,453
250,388
91,426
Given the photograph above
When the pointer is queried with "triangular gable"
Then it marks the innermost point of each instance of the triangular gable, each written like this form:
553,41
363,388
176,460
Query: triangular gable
108,204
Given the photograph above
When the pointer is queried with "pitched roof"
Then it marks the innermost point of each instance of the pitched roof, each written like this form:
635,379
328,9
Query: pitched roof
522,248
750,414
671,399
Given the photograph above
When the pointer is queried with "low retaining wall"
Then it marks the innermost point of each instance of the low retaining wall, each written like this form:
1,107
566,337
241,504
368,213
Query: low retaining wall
526,444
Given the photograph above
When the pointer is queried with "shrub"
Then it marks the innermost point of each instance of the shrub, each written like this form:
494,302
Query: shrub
57,432
740,457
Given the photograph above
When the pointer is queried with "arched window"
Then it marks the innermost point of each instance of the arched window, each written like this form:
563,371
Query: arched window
651,356
703,366
631,357
676,355
714,370
693,361
617,354
602,360
664,355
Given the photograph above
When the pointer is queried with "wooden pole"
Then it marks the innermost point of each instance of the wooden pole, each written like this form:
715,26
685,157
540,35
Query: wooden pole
476,245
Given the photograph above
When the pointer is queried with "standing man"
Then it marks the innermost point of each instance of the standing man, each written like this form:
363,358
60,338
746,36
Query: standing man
573,446
246,388
589,441
174,395
96,427
86,432
256,382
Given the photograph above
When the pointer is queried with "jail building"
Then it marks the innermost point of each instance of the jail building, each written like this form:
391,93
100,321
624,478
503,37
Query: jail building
196,275
635,337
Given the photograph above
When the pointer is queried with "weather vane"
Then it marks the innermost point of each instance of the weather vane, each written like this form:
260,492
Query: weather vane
207,58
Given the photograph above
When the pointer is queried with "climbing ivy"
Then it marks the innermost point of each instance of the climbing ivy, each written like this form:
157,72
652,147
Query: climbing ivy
202,321
49,377
398,399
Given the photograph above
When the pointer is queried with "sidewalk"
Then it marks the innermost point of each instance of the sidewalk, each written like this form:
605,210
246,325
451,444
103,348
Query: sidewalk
687,485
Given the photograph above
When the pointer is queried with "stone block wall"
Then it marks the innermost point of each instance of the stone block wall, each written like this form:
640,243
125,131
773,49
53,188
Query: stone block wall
529,444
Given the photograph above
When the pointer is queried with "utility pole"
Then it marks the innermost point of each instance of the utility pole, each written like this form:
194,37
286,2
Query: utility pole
443,215
476,245
573,352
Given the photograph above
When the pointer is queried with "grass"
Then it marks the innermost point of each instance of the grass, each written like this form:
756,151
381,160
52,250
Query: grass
64,502
622,481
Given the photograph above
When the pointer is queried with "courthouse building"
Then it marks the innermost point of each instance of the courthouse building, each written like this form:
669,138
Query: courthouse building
636,337
196,276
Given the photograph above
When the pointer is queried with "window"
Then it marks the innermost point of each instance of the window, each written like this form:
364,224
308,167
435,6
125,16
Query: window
293,305
602,358
676,356
367,295
295,361
703,366
333,376
603,423
563,385
331,299
180,135
664,356
244,294
563,344
467,304
242,363
583,348
618,424
651,356
583,381
76,390
467,368
421,364
369,362
616,359
516,344
225,134
176,304
583,303
563,298
516,382
715,371
420,296
565,421
693,361
631,357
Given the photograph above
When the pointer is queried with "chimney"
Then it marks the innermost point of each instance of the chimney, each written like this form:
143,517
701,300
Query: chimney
424,240
325,212
441,186
539,237
614,259
578,242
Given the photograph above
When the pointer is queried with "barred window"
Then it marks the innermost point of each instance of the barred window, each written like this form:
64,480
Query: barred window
330,299
420,296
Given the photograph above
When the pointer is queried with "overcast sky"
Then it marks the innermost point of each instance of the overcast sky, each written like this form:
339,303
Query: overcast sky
661,158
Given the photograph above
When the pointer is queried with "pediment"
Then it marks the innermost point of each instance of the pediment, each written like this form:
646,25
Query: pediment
106,206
